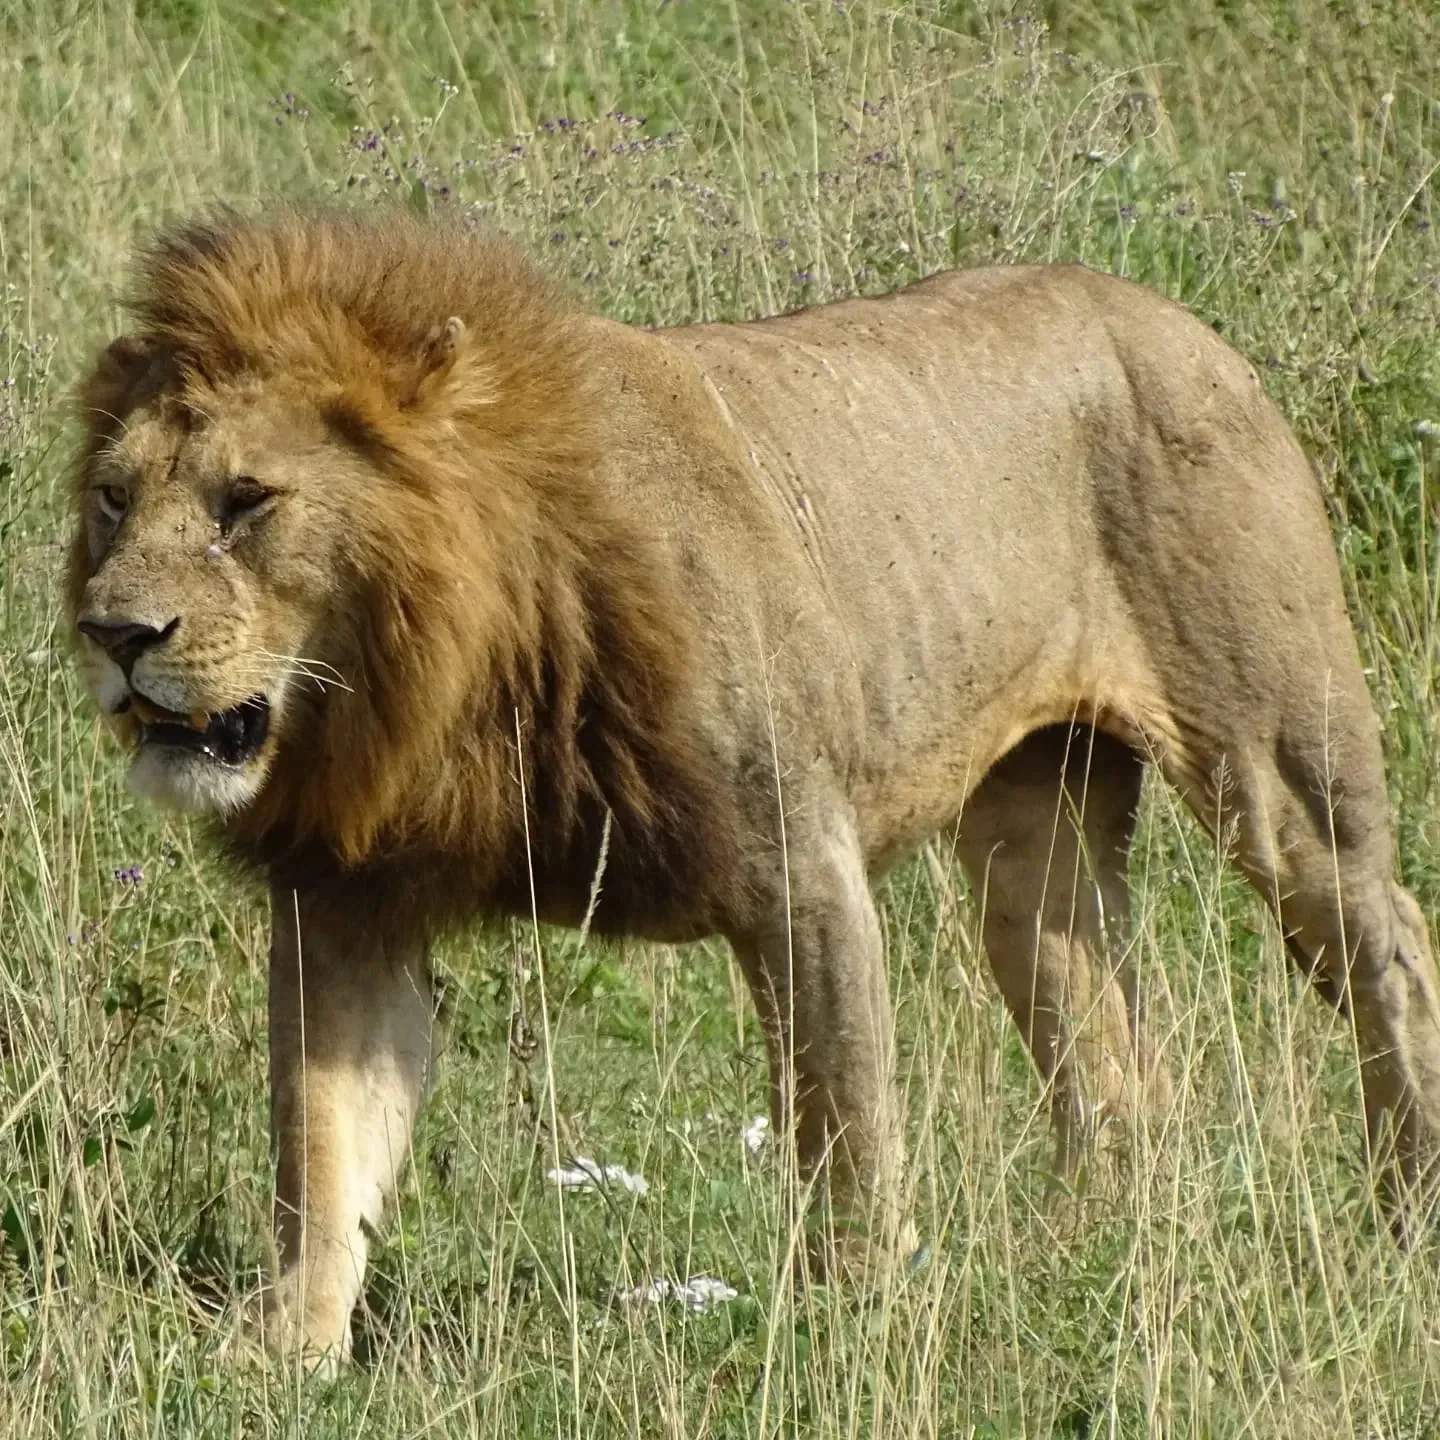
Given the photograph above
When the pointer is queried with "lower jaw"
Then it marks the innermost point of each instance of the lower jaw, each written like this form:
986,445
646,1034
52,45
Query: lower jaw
182,779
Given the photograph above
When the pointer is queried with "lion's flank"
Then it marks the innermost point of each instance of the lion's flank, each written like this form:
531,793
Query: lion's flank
517,629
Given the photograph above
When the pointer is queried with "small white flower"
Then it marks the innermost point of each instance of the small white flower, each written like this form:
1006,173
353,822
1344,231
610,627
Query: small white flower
699,1294
757,1132
585,1174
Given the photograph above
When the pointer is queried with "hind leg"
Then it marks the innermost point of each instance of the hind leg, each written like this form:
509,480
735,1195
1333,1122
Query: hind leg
1044,841
1234,657
1310,820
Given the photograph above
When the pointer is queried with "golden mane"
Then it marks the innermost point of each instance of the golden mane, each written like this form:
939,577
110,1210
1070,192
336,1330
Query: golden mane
563,672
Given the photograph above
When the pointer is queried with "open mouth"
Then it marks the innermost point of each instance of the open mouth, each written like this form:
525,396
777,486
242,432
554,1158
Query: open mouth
230,737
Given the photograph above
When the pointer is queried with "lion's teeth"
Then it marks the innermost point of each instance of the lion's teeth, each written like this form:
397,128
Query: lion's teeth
148,713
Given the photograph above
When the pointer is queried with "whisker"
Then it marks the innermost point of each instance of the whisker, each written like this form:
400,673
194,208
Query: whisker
296,667
313,665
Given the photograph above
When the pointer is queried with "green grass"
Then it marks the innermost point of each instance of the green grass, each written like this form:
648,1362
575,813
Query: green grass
1271,165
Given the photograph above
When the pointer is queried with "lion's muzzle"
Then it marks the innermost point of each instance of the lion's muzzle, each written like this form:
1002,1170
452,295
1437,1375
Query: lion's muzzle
232,736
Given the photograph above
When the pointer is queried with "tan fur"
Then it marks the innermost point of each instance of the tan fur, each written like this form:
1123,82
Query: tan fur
772,603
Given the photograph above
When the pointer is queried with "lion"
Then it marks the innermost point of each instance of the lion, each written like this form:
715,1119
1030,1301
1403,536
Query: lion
444,598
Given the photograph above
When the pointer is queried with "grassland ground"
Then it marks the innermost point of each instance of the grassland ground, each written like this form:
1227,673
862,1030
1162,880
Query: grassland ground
1271,165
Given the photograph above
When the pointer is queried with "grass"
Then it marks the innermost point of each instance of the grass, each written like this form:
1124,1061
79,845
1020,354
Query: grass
1270,164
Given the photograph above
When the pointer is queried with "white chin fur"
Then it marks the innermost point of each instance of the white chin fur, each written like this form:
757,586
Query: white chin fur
183,780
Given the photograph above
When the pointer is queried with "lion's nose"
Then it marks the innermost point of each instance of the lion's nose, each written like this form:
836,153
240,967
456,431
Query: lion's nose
126,640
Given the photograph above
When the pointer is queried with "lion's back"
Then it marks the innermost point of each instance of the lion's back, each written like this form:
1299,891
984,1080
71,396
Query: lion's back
990,485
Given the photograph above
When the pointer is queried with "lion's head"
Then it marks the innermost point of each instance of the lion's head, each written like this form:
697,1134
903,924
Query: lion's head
336,549
209,547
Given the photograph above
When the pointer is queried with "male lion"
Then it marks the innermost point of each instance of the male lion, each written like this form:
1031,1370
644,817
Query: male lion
426,585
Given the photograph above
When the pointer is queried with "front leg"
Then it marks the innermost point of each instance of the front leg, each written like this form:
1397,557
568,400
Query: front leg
815,961
350,1023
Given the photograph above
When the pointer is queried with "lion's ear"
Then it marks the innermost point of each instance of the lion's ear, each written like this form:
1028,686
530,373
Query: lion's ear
119,367
447,367
443,346
124,360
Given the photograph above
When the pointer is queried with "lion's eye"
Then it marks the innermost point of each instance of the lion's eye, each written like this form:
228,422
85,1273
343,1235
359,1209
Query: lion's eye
114,500
245,496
